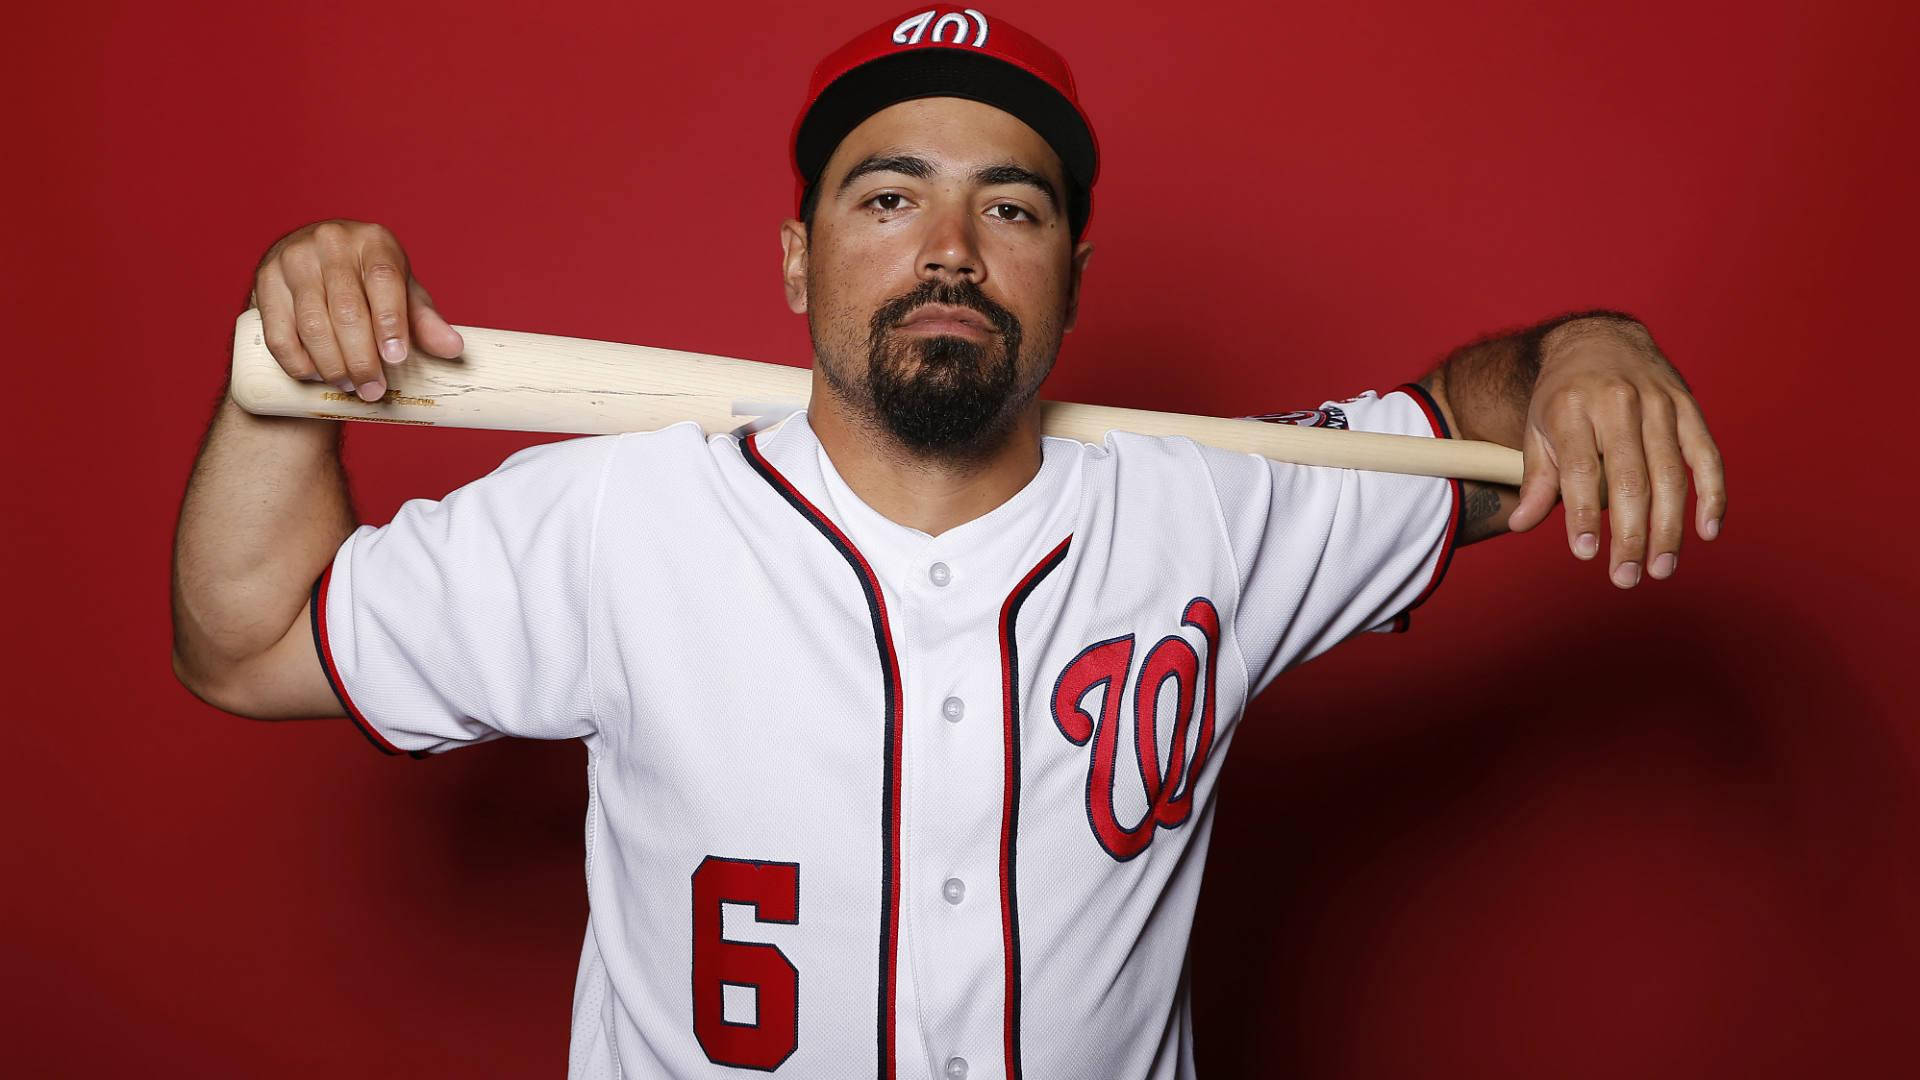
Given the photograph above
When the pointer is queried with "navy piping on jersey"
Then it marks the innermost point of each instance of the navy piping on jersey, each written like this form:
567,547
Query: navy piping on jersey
332,671
1455,520
1010,810
890,680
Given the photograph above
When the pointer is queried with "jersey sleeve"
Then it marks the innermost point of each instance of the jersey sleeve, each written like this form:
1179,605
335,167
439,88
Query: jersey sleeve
465,619
1323,554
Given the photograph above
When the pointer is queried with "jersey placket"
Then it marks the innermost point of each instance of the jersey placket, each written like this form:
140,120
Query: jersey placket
957,1002
945,594
954,744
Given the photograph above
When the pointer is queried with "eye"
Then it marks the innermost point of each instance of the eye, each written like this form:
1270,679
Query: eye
1009,212
887,200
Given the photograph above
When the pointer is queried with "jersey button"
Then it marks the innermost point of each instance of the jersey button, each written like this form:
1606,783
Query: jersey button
956,1068
939,574
954,891
953,709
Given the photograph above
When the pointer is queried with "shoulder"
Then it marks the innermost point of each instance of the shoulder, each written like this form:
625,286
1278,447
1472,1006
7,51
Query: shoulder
585,452
1130,450
1169,480
1137,462
579,469
681,444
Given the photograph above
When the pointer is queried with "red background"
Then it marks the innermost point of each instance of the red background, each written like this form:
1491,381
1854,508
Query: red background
1558,830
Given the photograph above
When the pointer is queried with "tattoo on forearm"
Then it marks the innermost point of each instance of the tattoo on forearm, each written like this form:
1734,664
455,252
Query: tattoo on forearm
1478,512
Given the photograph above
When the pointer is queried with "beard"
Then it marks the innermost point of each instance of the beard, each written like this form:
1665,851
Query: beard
941,396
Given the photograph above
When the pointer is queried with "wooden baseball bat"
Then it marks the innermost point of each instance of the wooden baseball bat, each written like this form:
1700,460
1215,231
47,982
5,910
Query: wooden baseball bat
541,382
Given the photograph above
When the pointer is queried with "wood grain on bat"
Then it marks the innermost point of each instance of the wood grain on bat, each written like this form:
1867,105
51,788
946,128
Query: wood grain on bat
514,381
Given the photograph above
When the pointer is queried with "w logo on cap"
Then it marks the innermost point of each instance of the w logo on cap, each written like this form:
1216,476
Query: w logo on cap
914,27
941,51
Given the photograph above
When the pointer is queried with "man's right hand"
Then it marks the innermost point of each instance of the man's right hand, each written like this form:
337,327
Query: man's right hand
336,297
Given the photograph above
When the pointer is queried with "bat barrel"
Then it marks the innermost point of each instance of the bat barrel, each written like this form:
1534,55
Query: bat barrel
514,381
540,382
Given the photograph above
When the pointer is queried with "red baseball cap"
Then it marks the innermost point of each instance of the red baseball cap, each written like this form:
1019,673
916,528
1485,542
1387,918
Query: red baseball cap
948,52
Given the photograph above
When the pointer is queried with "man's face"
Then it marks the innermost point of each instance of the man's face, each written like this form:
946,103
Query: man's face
939,273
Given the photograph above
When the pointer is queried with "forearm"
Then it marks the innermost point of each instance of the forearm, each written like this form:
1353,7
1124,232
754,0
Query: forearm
265,510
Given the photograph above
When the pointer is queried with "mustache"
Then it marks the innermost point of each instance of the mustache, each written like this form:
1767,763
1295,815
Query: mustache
963,293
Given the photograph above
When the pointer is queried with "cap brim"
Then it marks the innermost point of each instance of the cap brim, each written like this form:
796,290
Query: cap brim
937,72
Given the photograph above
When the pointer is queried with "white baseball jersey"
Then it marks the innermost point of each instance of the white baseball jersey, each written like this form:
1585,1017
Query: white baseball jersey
865,801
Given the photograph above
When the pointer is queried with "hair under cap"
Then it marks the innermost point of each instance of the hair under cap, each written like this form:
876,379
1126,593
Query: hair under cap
938,52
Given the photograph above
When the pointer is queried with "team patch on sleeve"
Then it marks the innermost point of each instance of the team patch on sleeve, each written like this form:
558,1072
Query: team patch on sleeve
1330,417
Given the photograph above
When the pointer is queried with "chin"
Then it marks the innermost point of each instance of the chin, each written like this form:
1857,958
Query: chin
942,352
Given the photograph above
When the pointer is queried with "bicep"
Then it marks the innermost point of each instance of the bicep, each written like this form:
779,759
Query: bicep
285,682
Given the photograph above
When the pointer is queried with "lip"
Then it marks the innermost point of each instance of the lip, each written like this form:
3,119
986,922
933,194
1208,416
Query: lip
945,319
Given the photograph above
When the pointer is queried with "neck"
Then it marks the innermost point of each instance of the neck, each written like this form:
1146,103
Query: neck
929,494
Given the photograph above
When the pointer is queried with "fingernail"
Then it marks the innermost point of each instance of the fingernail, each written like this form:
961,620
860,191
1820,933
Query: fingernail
1586,545
372,391
345,386
393,350
1662,565
1627,575
1713,528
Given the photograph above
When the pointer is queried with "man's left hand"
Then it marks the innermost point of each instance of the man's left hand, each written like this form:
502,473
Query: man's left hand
1611,424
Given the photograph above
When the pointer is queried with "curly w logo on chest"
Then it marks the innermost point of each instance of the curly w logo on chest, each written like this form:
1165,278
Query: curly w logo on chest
1129,707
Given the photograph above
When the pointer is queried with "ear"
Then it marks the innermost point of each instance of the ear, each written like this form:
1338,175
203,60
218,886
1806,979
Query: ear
1080,256
793,263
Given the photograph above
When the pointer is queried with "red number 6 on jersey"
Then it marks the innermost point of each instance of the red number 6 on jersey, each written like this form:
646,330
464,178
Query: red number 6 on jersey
772,889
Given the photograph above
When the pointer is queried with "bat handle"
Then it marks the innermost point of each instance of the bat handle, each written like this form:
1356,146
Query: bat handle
1416,455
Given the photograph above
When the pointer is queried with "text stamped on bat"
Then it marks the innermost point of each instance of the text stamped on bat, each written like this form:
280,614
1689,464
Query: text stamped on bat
396,398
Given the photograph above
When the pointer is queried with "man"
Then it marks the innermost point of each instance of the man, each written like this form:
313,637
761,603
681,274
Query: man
903,722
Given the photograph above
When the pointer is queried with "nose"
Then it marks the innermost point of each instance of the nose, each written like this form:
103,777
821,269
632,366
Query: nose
950,249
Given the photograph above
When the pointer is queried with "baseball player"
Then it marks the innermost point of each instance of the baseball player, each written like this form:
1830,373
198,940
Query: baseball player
904,722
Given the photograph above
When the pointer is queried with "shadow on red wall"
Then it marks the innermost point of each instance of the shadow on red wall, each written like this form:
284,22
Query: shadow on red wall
1660,840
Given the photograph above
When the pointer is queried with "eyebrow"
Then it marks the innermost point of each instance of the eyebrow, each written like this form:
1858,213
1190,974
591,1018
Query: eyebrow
1009,173
920,168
